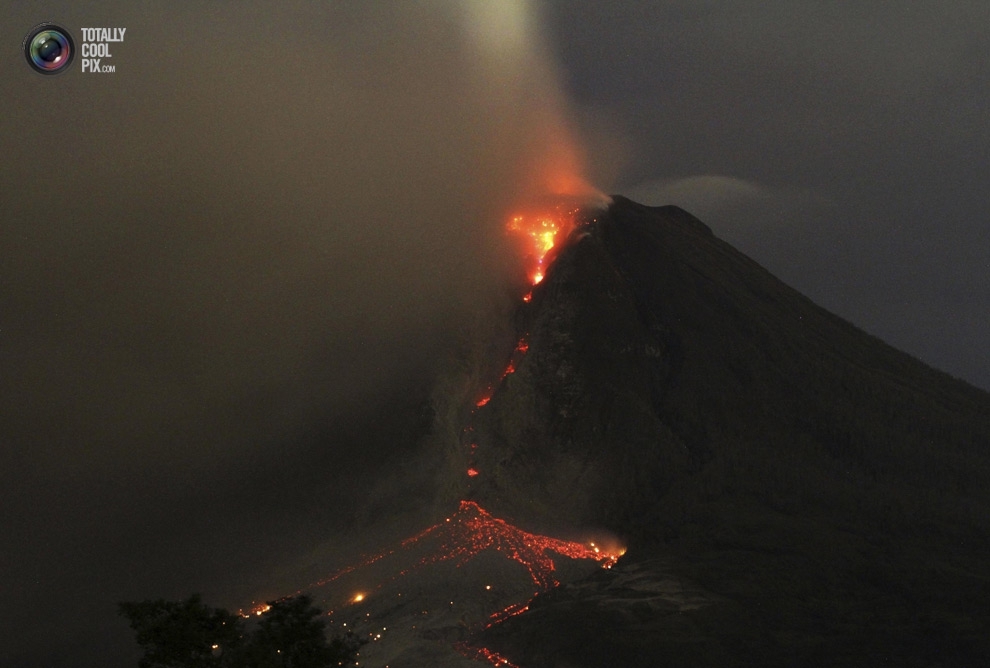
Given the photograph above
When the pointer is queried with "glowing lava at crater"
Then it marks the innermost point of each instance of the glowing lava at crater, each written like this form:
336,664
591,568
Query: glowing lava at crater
539,233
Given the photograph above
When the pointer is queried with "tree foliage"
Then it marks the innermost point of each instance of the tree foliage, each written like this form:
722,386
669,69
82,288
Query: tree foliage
190,634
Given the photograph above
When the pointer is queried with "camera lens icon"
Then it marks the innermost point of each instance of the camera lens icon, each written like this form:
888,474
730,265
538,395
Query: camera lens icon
49,48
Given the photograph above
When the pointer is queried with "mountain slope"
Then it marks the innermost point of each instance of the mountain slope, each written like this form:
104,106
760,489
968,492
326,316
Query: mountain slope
827,495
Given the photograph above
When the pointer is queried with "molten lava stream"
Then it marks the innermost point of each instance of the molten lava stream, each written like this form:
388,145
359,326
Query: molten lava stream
473,530
459,538
539,235
468,533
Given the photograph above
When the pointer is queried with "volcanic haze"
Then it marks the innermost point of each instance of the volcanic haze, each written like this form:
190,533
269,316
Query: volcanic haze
234,255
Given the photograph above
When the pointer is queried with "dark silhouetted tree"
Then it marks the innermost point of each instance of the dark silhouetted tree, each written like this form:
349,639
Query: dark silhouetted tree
187,634
292,635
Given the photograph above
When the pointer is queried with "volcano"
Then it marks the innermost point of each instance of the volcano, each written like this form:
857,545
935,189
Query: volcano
791,490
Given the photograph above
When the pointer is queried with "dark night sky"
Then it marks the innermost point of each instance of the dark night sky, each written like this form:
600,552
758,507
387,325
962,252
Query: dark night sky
219,261
843,145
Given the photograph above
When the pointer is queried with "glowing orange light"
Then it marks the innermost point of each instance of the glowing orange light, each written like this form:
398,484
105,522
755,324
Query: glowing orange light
472,472
540,233
357,598
257,610
483,401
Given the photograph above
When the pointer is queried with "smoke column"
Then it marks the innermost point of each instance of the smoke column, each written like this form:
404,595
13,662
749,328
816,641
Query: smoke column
530,103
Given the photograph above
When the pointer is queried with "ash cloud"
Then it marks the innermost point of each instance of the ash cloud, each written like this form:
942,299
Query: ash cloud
299,213
258,231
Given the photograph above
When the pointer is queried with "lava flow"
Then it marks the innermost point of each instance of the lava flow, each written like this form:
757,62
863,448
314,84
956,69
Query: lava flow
539,234
473,530
469,533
